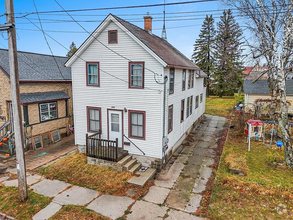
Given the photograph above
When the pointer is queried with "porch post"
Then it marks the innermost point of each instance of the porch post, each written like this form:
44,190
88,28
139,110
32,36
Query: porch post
86,144
116,149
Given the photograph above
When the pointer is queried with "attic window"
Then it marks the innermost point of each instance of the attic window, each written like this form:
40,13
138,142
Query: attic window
112,37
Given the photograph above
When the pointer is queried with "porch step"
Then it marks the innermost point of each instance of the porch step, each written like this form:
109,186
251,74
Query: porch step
130,164
125,160
143,177
135,168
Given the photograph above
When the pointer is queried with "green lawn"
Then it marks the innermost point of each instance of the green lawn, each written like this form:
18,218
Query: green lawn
220,106
257,194
74,169
11,206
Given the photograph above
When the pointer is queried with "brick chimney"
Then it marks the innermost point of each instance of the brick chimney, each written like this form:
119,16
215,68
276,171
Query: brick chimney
148,22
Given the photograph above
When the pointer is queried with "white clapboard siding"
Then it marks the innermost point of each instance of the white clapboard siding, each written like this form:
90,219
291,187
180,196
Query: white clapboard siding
179,128
114,93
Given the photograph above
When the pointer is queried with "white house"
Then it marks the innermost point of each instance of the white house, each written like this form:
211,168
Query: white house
118,77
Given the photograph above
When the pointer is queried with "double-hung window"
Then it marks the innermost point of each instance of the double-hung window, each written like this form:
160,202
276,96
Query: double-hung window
190,107
93,74
201,97
137,124
170,119
48,111
196,102
136,75
192,78
171,80
182,110
187,107
94,119
183,80
189,79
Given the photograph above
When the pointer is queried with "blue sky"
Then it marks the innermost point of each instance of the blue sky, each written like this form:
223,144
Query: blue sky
181,33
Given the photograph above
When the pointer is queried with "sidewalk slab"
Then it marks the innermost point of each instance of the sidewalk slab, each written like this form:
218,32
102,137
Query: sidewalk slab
167,180
47,212
193,204
11,183
205,172
110,206
147,211
200,185
157,195
176,215
4,178
49,188
32,179
76,196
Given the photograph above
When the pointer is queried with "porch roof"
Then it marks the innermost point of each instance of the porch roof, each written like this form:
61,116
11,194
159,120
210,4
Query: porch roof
30,98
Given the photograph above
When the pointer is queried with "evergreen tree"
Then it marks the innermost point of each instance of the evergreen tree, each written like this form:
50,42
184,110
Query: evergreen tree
203,53
229,66
72,49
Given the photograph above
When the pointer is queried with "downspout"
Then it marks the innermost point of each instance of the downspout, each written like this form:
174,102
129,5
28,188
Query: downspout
164,139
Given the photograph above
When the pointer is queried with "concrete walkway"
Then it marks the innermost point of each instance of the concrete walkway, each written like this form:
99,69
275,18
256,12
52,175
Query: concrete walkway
174,196
43,157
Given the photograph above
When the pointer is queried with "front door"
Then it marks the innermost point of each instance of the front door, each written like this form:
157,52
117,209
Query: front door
115,128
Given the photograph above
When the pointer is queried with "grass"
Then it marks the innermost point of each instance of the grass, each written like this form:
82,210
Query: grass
77,213
257,194
11,206
220,106
75,170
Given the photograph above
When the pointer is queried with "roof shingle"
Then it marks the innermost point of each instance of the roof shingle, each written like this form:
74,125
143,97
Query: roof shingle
261,87
27,98
33,66
159,46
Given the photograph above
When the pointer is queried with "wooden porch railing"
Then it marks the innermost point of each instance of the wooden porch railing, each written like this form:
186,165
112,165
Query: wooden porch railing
101,148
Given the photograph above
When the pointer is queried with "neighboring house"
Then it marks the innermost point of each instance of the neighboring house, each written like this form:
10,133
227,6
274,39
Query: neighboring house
255,72
117,79
260,90
45,96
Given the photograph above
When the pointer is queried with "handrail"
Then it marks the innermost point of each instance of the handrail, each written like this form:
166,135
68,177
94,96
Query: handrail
97,133
4,129
134,144
5,124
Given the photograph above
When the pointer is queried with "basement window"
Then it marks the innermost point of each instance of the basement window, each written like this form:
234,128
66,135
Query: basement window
37,141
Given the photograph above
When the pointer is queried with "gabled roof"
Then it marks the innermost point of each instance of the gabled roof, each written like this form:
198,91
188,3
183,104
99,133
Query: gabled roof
248,69
159,46
260,87
29,98
37,67
156,45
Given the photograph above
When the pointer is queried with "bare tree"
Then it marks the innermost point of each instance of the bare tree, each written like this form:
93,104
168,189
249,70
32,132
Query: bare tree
271,23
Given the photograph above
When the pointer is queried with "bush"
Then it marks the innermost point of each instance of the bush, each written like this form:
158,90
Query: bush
239,97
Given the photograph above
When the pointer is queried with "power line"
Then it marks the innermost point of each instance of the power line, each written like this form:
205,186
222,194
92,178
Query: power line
85,60
99,40
121,7
82,32
47,41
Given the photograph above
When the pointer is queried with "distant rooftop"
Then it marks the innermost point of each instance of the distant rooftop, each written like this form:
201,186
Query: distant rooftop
261,87
34,66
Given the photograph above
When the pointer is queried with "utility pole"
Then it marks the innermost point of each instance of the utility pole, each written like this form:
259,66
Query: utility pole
15,96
